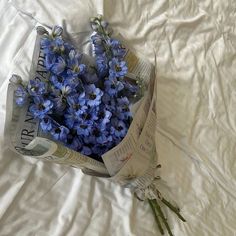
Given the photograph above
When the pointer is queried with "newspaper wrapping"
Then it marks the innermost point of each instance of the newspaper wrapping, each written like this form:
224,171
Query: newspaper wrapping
132,163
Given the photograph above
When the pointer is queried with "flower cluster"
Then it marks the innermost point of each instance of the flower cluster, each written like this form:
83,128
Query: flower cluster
85,107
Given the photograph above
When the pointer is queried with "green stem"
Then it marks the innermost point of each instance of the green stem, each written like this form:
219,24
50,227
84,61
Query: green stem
158,208
174,209
156,217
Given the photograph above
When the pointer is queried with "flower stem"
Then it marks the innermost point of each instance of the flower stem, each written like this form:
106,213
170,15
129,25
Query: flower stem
156,216
174,209
158,208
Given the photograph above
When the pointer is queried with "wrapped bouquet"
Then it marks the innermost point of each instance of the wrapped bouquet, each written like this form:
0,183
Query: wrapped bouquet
95,112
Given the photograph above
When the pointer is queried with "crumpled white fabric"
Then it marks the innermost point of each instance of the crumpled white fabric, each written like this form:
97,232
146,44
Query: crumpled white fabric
195,45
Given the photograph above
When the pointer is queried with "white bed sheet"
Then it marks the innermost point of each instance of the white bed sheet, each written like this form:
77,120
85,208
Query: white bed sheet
195,47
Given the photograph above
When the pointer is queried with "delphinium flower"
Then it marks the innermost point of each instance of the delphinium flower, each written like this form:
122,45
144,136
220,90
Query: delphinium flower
21,95
53,43
75,67
98,43
131,90
36,88
40,108
84,126
46,124
74,142
117,48
55,64
86,150
123,110
77,104
104,116
93,95
59,97
117,68
60,133
102,65
113,86
70,119
119,128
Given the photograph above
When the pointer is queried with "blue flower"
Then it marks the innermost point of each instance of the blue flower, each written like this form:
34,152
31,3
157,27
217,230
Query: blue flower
91,114
102,65
74,82
58,45
75,67
97,39
46,124
109,102
59,105
68,47
123,101
97,150
71,119
74,143
59,66
52,46
40,107
98,136
84,127
77,99
60,133
117,68
104,137
86,151
106,98
123,108
21,95
46,44
59,96
119,128
77,104
93,95
117,49
64,91
49,61
98,44
104,117
55,64
73,58
59,81
130,89
113,86
100,149
90,139
36,88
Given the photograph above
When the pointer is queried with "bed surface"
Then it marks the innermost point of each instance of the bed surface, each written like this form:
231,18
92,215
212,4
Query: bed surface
195,47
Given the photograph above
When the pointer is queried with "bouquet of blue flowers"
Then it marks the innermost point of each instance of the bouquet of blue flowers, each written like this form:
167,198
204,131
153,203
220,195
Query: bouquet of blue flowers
87,108
95,113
